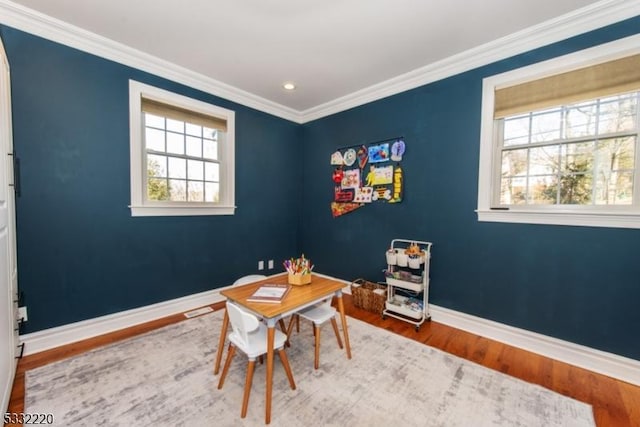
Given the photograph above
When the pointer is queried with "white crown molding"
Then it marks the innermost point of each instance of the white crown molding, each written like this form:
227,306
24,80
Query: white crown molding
589,18
31,21
582,20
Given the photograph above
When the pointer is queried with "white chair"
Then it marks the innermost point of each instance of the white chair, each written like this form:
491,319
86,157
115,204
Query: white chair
250,336
318,314
254,278
248,279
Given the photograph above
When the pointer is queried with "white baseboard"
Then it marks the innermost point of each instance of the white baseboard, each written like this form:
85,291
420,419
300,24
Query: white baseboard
62,335
609,364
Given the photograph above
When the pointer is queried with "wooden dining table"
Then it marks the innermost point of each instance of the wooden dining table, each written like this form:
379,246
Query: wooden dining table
298,298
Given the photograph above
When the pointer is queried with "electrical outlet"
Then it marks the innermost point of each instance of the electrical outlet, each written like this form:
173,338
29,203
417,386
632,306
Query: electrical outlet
270,264
260,265
22,313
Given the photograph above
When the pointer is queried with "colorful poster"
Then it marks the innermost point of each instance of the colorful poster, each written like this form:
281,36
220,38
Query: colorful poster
351,178
363,195
379,175
379,153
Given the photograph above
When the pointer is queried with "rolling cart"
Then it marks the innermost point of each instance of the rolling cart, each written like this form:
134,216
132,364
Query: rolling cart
407,278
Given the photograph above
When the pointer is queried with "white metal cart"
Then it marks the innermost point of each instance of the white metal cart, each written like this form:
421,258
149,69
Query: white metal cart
408,272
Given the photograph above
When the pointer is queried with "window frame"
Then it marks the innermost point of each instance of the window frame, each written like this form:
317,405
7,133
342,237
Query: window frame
489,161
140,205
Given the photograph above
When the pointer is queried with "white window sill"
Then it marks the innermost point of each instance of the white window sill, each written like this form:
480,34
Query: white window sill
584,219
181,210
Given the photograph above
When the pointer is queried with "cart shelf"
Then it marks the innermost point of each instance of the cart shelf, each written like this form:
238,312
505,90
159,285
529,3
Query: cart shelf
409,275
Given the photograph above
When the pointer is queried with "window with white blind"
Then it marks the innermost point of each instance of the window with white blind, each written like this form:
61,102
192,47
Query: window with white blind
182,154
559,140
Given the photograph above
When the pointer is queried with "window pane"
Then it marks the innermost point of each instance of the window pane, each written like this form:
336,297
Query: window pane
210,149
514,162
618,114
516,130
194,146
546,126
614,188
209,133
544,160
513,191
211,192
211,172
154,139
156,165
157,189
615,154
195,170
175,143
580,120
153,121
614,173
195,130
577,158
196,191
177,190
576,189
177,168
543,190
175,125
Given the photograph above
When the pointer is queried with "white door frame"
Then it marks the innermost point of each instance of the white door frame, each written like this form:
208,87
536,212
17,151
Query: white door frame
8,265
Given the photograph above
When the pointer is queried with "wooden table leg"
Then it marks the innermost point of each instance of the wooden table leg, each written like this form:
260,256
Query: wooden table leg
270,339
223,337
343,318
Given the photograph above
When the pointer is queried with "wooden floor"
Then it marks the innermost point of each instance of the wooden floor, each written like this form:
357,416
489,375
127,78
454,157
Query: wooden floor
615,403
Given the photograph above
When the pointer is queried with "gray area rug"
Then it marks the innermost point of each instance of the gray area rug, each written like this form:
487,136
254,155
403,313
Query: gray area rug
165,378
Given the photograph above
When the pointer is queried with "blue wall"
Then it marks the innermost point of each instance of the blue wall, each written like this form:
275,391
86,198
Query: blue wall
80,253
580,284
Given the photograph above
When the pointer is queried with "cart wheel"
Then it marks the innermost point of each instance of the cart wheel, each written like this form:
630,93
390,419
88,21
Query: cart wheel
384,317
417,328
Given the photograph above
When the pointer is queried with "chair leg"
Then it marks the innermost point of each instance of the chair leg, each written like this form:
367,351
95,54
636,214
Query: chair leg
291,322
298,324
285,363
247,388
316,329
284,329
227,363
335,329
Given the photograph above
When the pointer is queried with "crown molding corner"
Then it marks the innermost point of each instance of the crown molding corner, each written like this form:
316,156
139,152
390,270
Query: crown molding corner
586,19
39,24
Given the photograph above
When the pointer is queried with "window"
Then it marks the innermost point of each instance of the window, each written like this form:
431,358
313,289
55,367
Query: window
559,140
182,155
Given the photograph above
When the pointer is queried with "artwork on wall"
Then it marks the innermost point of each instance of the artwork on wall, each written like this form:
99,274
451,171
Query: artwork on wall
379,153
365,174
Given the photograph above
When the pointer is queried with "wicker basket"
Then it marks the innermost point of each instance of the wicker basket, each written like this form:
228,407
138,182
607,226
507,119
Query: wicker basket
368,295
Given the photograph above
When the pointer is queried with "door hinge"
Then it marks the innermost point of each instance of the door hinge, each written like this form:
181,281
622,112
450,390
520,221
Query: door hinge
21,345
16,174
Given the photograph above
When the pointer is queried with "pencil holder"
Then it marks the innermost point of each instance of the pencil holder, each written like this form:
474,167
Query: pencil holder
299,279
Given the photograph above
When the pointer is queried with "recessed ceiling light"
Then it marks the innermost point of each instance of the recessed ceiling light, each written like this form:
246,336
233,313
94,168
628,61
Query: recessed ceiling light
289,86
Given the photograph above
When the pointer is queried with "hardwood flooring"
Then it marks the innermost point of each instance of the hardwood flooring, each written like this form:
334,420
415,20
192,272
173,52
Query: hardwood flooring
615,403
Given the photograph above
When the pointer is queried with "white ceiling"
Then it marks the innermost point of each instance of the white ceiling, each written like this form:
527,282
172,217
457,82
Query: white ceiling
329,48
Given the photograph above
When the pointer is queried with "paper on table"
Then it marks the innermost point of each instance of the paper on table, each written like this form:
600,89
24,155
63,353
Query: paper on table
270,292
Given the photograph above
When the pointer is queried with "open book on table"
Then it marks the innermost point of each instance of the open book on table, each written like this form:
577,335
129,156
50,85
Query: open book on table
270,292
